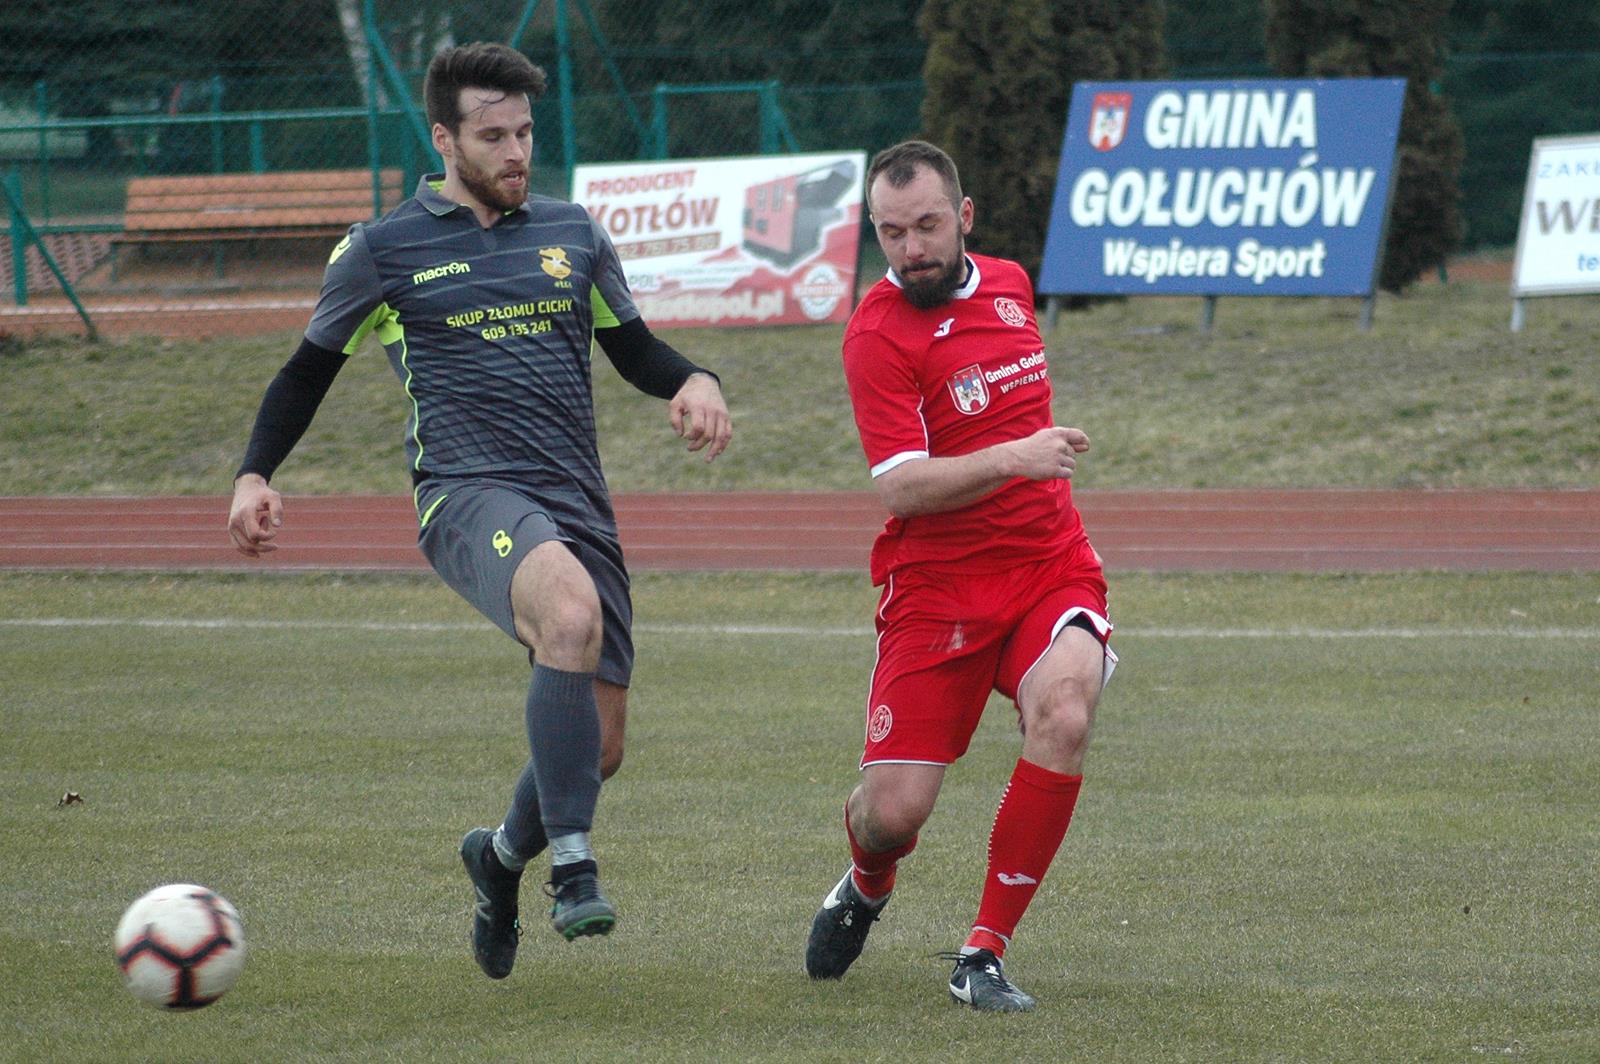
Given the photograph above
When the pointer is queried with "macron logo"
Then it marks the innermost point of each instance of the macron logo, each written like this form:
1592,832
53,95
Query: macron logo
1019,879
944,328
449,269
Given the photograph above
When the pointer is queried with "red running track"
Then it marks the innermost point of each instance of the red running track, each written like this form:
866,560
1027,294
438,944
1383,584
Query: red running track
1222,530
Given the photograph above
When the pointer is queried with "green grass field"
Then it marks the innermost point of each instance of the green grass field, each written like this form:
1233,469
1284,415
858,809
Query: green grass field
1327,818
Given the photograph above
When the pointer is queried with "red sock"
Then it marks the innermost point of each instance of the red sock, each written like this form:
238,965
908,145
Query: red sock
1028,829
874,872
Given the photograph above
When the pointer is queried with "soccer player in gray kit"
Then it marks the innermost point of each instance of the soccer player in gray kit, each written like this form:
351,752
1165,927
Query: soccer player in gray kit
486,300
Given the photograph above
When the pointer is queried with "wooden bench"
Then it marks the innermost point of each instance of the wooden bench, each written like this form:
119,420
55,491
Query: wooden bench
231,207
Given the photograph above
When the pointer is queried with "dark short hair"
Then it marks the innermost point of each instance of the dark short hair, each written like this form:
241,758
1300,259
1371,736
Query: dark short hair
898,166
480,65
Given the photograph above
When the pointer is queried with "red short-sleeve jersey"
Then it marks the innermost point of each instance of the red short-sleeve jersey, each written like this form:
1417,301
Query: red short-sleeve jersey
948,381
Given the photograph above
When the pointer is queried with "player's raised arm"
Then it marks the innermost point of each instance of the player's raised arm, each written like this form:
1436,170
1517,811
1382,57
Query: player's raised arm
286,410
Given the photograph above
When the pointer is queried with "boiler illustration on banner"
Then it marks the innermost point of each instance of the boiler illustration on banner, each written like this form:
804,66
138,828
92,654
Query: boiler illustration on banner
784,218
746,240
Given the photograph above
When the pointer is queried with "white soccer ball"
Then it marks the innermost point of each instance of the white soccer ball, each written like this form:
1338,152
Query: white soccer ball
180,946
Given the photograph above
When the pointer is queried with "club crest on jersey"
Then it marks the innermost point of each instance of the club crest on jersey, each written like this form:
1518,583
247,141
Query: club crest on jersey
969,390
554,262
1108,121
1010,312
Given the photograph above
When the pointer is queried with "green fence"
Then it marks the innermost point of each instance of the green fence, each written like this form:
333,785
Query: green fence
187,90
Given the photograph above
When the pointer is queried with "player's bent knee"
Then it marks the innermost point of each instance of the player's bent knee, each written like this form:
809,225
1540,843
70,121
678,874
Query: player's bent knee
568,631
570,621
1072,694
1062,725
888,825
892,803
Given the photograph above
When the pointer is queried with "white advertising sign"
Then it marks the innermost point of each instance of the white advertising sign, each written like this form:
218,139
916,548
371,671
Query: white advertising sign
762,240
1558,242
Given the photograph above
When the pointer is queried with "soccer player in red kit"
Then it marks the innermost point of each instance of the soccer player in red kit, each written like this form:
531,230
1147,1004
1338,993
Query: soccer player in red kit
989,582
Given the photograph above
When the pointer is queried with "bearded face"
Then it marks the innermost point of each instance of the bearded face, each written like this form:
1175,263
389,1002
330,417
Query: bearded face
922,230
504,190
488,156
933,284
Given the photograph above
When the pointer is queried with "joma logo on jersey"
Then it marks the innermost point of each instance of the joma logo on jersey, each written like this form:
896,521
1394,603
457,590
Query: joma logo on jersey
969,390
554,262
449,269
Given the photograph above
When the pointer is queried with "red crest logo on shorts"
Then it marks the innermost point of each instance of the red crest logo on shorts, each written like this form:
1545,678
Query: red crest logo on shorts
879,724
969,390
1108,121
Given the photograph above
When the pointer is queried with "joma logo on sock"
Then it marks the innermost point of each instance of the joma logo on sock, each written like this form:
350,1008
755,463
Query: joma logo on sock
1018,879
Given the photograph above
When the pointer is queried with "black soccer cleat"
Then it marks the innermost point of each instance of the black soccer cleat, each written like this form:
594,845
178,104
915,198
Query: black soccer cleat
495,927
980,980
839,930
578,908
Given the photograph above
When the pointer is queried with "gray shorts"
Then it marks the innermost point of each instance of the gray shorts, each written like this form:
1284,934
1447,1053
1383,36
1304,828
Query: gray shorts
475,532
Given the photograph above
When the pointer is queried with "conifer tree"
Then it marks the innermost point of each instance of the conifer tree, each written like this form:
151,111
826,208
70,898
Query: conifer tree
998,79
1384,38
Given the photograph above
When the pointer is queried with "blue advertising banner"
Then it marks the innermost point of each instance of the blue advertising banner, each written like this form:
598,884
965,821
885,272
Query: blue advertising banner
1223,188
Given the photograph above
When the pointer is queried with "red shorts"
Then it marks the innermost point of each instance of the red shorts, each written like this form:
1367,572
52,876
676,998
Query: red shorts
946,639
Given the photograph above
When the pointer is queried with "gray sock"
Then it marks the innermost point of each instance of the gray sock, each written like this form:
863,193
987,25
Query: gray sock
564,733
521,836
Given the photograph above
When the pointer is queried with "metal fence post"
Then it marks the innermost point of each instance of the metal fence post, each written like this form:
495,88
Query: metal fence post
258,148
515,40
611,65
397,82
374,140
658,120
22,234
41,98
217,161
569,137
19,245
768,95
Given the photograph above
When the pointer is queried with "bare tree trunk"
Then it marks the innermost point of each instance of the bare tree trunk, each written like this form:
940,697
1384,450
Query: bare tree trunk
355,43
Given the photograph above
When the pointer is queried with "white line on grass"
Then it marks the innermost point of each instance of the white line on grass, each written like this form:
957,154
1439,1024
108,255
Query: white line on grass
1288,632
